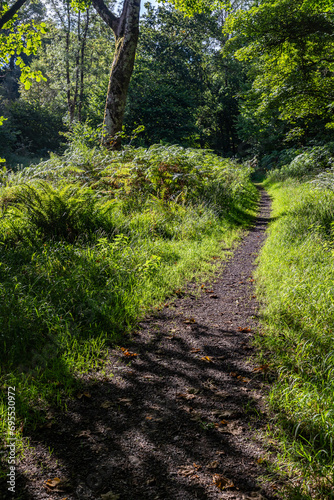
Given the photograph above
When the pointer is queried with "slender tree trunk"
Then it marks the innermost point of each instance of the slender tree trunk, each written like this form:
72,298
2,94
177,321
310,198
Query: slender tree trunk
126,31
70,107
82,60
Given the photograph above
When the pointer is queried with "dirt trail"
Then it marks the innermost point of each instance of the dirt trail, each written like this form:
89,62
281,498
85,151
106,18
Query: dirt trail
173,423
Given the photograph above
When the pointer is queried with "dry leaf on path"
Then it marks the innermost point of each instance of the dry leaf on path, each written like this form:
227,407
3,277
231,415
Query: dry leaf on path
262,368
185,396
207,359
189,321
106,404
244,330
86,394
52,483
213,465
125,400
126,352
187,470
195,350
86,433
110,496
222,482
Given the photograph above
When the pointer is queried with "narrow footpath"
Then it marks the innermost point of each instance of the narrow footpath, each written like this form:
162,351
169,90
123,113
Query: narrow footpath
177,416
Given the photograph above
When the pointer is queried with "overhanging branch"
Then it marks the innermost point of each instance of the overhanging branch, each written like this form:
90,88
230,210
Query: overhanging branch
108,17
11,12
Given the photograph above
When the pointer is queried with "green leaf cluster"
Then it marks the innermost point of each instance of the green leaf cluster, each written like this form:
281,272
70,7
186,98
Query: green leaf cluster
290,52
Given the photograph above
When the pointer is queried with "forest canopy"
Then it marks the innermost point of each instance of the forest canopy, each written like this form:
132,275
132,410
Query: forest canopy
237,77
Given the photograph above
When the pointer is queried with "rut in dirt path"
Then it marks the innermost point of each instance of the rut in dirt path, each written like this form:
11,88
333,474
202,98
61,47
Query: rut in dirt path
174,423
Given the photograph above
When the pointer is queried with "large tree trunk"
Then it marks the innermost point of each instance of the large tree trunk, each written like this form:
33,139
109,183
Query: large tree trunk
126,31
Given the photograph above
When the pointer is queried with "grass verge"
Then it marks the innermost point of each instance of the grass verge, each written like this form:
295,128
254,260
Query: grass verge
296,284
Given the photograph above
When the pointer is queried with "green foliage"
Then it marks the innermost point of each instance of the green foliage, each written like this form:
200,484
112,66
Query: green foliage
289,49
20,38
63,213
90,242
306,165
181,90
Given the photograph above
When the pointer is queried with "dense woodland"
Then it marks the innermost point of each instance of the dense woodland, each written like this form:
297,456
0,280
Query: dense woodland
102,220
248,84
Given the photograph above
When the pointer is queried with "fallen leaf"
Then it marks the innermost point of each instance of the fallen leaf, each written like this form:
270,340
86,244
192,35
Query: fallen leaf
233,374
110,496
125,400
189,321
86,394
195,350
260,460
222,482
235,429
209,291
207,359
186,470
106,404
244,330
150,481
212,465
128,353
262,368
84,433
185,396
193,390
52,483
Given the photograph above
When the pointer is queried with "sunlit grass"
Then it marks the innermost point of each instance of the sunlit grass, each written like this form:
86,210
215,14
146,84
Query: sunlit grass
81,265
296,283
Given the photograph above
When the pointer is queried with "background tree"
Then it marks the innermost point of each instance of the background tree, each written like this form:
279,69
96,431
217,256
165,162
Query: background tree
126,31
181,89
290,50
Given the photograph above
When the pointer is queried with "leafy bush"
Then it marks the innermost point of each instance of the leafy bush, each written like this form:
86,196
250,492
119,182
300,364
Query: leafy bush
276,159
306,165
62,213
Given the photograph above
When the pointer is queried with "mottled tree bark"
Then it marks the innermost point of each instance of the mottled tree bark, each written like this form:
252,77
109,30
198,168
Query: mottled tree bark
126,31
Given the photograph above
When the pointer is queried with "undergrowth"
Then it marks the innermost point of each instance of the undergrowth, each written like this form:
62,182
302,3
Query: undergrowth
296,284
90,242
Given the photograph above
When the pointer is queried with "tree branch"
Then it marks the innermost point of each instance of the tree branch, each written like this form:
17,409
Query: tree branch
11,12
108,17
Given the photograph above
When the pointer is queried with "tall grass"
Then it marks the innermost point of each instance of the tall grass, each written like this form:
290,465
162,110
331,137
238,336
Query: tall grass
296,283
89,243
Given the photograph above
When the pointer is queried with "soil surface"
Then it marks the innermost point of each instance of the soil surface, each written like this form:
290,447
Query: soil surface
177,416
